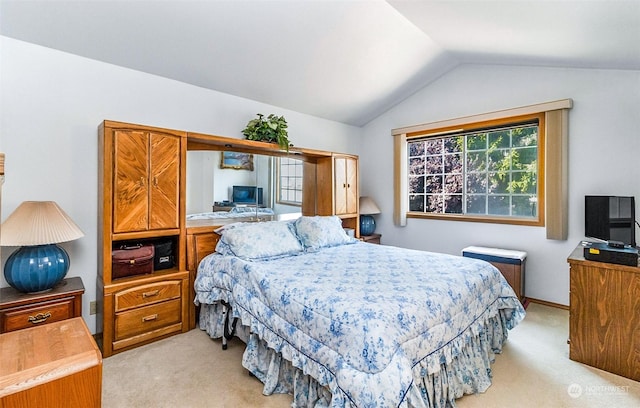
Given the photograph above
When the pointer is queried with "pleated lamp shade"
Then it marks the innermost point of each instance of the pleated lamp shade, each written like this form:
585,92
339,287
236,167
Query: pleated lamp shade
38,223
37,226
368,206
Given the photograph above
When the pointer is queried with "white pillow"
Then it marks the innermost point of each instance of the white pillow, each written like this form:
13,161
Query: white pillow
321,231
260,240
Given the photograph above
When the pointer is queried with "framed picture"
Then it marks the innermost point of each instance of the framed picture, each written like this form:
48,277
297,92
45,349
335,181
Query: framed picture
237,161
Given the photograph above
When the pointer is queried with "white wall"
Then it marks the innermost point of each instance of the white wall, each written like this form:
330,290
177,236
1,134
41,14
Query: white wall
52,103
604,148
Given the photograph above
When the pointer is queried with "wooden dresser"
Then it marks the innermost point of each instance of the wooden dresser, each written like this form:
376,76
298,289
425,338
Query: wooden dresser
604,315
54,365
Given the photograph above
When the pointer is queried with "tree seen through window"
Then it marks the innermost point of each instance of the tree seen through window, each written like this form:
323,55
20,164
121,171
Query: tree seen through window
492,172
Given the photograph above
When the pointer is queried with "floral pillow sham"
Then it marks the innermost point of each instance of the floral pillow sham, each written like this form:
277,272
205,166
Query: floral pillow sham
259,240
321,232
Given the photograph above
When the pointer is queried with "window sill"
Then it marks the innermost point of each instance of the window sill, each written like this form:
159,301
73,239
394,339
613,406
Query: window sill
485,219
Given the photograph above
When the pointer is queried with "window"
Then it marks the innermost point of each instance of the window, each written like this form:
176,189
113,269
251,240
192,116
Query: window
507,166
289,181
492,172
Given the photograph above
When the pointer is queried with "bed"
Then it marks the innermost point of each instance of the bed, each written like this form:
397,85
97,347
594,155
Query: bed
341,323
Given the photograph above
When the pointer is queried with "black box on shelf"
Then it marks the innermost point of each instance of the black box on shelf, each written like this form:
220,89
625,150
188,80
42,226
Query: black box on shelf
164,257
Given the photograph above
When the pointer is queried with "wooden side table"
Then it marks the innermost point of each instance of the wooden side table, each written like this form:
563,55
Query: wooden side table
53,365
371,239
21,310
604,323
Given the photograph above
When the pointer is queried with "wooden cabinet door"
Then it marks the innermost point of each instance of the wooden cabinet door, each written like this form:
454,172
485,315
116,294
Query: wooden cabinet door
164,196
147,181
345,184
131,177
340,185
352,185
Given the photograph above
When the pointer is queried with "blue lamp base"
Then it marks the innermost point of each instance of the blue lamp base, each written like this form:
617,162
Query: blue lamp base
367,225
36,268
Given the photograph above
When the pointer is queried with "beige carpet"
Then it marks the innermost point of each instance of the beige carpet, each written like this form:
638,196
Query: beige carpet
534,370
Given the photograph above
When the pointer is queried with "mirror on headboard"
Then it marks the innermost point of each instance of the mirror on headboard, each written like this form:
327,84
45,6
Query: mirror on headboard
258,180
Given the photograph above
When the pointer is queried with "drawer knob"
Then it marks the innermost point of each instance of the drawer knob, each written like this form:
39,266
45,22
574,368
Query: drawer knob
150,294
39,318
150,318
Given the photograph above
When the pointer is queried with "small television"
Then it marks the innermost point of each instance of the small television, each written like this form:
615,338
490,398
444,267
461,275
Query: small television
247,195
610,218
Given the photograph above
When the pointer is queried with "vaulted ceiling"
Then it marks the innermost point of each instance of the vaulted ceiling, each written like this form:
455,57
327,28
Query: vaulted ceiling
344,60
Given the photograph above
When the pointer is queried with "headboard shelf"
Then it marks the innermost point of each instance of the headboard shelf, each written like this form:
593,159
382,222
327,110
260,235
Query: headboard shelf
199,141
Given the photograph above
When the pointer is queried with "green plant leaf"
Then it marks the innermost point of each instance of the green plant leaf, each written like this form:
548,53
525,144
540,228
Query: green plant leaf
272,129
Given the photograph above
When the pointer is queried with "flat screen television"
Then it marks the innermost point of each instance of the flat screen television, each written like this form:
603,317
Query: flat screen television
247,195
610,218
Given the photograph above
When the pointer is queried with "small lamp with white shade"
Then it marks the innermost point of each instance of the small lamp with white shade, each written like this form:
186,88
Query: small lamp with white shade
37,226
368,207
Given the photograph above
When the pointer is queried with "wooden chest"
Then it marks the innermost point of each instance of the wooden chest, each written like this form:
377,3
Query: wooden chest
510,263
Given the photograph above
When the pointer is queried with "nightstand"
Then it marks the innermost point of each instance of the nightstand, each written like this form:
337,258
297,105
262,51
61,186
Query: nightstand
21,310
371,239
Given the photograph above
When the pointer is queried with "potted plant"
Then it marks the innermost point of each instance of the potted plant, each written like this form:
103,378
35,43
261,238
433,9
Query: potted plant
272,129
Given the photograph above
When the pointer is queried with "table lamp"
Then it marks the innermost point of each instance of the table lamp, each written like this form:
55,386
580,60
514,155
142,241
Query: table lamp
367,208
37,226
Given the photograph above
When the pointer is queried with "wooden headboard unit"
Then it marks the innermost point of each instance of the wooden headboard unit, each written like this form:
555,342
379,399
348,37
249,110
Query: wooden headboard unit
201,241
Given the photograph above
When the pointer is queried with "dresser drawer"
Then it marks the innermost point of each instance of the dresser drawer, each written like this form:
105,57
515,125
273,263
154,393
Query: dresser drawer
147,295
147,319
17,318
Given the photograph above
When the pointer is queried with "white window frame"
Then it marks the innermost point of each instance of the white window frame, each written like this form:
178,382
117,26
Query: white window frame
296,177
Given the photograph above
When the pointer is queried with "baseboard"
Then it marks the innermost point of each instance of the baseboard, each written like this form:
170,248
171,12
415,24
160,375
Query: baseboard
546,303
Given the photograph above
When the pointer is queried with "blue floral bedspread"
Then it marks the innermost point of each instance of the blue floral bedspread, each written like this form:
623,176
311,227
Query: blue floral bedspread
360,317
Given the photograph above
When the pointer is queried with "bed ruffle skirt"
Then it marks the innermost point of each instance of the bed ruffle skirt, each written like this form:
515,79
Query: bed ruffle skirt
461,367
